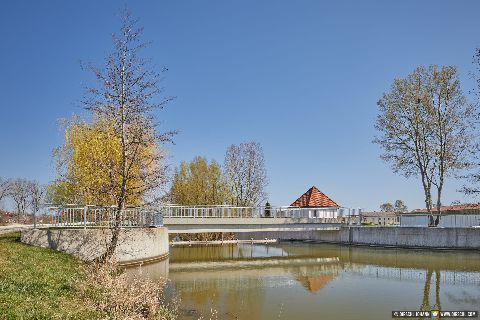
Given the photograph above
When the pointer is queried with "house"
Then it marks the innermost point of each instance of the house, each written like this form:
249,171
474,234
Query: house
315,204
381,218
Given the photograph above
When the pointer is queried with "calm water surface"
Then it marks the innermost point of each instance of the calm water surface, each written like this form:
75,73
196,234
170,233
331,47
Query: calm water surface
292,280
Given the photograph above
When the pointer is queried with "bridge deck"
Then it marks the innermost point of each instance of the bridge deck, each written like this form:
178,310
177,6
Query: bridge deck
202,225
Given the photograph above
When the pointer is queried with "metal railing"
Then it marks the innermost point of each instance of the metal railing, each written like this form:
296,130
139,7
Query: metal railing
80,216
88,216
177,211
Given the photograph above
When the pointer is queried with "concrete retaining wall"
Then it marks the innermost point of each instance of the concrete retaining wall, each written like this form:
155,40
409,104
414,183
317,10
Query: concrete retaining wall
462,238
135,245
317,235
404,237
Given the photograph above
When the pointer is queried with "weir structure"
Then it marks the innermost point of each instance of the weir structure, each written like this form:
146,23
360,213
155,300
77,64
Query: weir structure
85,231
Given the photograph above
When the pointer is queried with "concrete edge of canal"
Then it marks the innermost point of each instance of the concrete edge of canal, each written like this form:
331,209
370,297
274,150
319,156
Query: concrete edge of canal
143,245
397,237
135,245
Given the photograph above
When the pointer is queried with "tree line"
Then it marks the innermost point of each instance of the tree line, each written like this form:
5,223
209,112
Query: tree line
114,155
397,207
27,195
240,182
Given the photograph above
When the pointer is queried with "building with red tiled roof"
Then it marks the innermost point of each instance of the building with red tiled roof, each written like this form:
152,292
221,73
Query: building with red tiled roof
315,204
314,198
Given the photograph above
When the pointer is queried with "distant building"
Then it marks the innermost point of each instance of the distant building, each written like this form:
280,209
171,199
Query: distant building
460,215
315,204
468,208
381,218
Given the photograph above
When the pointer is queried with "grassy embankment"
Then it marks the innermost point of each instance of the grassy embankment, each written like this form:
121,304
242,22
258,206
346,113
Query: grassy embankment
39,283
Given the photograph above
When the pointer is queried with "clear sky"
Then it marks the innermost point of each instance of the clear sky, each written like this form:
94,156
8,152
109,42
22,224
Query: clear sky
300,77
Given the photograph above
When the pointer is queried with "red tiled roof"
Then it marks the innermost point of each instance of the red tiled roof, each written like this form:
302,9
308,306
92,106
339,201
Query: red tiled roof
315,283
314,198
458,207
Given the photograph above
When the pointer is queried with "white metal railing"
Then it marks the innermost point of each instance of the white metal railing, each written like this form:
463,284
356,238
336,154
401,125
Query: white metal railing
221,211
80,216
72,216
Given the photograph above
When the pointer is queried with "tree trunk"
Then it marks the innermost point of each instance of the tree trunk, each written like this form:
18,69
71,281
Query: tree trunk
123,191
426,292
428,199
437,290
439,204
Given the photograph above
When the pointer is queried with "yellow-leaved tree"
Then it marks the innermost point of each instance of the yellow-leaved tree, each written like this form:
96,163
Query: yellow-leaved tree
90,166
200,183
115,159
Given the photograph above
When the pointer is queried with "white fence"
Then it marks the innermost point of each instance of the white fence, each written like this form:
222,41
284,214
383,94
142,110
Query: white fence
97,216
446,220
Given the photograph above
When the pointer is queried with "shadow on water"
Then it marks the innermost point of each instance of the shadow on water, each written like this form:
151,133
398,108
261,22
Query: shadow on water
304,281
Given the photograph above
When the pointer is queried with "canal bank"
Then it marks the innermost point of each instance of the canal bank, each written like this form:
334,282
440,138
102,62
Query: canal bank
135,245
300,280
399,237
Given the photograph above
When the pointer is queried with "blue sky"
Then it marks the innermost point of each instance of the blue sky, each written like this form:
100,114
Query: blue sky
300,77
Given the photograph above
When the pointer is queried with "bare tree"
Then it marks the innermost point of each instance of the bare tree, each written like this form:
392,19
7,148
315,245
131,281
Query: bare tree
19,192
246,173
127,93
473,178
400,207
36,196
386,207
454,123
5,186
425,129
405,132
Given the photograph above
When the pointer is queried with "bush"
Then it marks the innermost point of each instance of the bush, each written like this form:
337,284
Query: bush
110,291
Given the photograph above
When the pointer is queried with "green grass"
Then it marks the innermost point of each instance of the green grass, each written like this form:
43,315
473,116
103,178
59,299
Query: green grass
39,283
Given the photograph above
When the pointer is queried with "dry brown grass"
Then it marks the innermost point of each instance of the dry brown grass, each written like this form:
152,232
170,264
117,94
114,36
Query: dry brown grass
117,296
211,236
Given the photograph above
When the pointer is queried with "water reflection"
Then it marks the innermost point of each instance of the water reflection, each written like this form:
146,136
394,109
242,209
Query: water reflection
426,292
305,281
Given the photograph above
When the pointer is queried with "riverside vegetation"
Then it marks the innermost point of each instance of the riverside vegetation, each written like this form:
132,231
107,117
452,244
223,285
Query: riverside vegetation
40,283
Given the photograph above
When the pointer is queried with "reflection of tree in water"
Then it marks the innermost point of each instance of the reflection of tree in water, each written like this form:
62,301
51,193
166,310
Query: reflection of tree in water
426,292
244,299
227,279
241,293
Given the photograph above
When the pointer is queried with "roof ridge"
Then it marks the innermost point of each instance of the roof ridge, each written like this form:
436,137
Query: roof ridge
313,197
310,192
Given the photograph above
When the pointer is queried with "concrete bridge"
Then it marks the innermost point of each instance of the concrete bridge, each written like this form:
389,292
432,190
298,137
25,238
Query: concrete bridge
198,219
202,219
203,225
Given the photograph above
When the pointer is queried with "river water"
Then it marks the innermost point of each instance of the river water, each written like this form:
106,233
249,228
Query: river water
296,280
